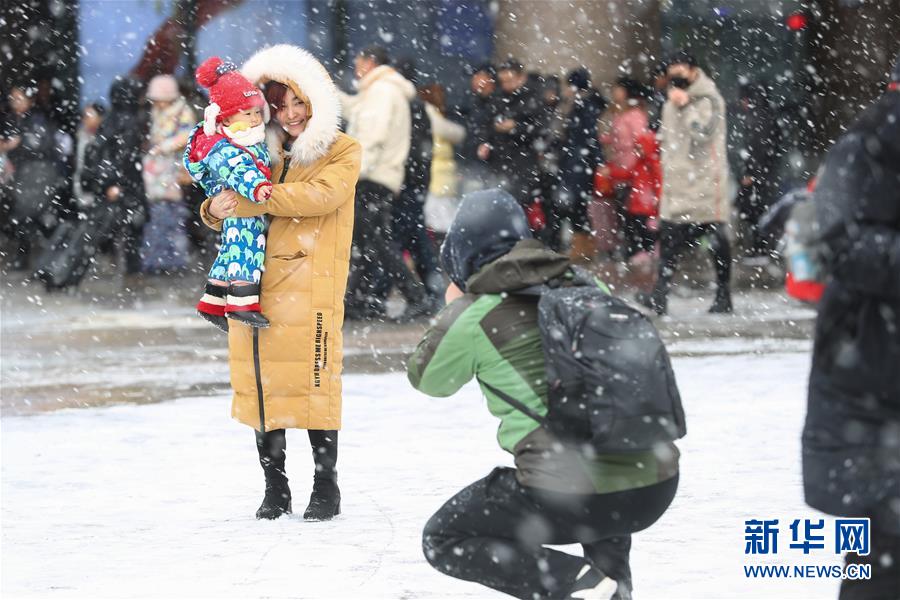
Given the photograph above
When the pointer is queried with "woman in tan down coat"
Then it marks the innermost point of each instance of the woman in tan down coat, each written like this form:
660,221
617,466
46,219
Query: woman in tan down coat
289,375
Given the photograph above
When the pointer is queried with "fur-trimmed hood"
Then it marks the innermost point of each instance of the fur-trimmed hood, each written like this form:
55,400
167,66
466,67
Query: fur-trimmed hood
300,71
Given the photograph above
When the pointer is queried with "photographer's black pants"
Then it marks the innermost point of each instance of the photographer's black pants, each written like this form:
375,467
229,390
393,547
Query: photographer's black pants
493,532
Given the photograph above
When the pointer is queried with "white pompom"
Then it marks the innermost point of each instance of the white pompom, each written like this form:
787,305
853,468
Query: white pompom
210,114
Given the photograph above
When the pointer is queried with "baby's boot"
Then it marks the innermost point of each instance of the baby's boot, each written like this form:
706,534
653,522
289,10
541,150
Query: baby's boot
243,305
212,305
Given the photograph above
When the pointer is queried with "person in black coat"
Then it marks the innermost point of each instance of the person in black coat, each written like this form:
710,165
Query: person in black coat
112,165
579,157
548,145
29,141
755,163
477,114
851,440
515,130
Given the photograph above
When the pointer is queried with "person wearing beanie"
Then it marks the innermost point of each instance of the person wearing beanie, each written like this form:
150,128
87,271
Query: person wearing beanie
227,150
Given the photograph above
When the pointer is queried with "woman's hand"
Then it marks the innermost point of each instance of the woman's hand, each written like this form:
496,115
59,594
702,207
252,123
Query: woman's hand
222,205
679,97
113,192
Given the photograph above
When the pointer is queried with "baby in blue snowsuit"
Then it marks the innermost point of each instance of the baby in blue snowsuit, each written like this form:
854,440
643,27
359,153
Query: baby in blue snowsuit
227,151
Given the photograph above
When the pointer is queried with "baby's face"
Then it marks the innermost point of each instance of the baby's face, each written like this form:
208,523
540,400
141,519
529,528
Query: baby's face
250,118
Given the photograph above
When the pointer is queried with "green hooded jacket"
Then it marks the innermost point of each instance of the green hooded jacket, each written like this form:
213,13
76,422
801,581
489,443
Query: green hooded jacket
491,333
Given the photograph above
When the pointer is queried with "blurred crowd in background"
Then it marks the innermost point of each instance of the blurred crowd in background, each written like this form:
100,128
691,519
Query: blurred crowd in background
586,167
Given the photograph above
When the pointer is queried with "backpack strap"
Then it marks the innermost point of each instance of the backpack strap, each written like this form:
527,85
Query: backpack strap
518,405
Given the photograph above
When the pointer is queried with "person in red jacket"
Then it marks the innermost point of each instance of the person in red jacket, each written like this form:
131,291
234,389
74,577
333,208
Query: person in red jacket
634,166
644,180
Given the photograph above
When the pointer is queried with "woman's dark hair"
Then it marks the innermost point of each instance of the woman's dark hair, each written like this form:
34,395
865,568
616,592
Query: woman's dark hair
274,93
682,57
633,88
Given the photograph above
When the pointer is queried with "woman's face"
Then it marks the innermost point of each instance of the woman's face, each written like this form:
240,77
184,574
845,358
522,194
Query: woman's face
619,95
292,116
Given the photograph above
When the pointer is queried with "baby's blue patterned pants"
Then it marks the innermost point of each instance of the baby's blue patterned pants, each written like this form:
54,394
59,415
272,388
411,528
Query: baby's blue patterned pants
243,251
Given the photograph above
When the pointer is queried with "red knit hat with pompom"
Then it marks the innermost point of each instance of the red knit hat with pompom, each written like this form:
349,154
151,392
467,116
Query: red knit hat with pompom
229,91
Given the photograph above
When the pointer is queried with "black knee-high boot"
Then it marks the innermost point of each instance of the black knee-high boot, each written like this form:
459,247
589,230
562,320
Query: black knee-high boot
325,500
277,501
721,252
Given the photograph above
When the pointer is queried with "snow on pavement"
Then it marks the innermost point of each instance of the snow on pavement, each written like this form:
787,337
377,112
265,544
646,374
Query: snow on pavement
157,501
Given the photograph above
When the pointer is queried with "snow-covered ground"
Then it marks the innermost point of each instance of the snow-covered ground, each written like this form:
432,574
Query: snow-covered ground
158,500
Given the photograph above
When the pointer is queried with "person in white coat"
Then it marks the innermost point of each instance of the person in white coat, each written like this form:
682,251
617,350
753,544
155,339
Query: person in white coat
379,117
694,204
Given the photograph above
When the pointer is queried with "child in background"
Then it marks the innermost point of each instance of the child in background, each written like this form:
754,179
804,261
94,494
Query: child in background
642,204
227,151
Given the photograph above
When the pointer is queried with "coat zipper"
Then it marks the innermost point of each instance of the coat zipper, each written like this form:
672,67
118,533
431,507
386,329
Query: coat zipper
256,363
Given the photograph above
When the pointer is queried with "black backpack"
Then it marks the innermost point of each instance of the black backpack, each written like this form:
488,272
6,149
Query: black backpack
609,377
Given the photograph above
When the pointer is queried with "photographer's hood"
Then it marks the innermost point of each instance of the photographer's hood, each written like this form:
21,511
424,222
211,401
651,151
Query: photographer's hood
489,223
